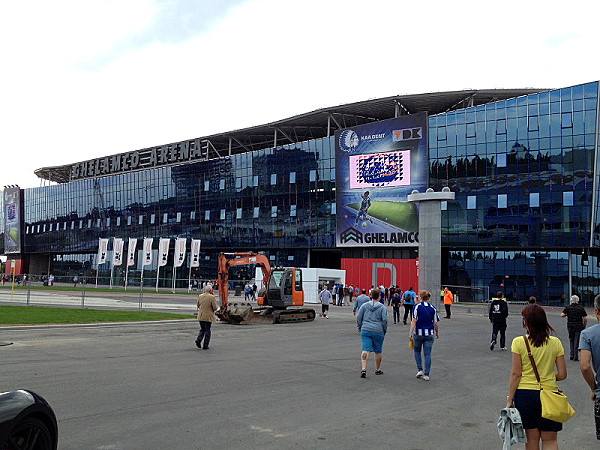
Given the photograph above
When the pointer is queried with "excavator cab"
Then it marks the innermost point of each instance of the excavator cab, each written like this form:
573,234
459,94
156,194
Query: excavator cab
285,288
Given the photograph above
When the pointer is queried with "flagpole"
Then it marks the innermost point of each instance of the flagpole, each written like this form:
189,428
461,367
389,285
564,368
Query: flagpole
157,271
126,273
112,268
190,274
174,275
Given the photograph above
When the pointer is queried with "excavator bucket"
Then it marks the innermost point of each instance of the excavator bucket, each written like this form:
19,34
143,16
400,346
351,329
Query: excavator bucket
236,313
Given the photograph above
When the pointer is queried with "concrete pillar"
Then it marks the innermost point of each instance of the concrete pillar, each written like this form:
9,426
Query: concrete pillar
430,239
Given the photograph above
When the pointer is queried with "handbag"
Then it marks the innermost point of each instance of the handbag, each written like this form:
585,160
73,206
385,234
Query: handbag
411,344
555,405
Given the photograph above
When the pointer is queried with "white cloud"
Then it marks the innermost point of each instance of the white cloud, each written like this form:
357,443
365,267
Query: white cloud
76,88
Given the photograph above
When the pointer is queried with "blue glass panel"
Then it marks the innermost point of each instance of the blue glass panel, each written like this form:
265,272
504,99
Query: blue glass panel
590,90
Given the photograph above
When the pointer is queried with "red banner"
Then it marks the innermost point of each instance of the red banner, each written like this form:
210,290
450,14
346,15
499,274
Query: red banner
365,273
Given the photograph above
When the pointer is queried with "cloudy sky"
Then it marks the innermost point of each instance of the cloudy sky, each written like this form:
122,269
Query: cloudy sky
84,79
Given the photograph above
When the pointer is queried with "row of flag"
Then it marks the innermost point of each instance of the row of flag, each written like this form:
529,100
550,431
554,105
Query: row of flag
163,251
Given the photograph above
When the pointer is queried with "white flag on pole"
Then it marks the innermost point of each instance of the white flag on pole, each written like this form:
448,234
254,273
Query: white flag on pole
179,256
102,250
131,251
147,252
117,251
195,257
163,251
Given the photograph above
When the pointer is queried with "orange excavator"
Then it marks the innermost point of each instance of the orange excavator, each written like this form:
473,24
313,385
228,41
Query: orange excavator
280,300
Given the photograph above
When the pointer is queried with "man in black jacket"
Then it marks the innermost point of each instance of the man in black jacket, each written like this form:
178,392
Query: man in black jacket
498,314
576,322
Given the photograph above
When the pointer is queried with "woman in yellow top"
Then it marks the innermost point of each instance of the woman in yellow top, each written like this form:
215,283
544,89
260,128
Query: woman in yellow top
523,388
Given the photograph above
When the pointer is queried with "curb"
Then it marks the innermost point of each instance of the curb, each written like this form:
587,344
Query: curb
96,324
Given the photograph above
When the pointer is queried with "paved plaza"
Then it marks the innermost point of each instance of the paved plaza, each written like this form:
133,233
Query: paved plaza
147,386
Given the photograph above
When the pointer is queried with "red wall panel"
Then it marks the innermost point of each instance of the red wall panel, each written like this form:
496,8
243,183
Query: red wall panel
361,272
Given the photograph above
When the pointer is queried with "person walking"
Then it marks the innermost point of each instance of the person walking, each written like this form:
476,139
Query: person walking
325,299
524,389
347,296
408,300
448,300
497,314
360,300
576,323
340,294
422,328
589,349
207,305
372,320
396,300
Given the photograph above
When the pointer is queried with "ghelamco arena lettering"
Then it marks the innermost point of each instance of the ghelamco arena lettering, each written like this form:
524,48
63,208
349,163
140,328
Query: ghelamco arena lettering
391,238
139,159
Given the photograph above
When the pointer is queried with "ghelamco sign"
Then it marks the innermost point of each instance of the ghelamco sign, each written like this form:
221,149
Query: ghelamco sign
352,235
165,155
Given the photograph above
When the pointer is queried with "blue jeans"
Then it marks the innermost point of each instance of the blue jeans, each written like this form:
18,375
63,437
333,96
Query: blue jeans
427,343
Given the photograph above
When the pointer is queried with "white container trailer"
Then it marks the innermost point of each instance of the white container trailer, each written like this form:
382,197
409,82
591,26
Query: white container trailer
313,280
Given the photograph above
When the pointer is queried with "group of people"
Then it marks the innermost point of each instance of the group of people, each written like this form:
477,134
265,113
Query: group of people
538,362
372,322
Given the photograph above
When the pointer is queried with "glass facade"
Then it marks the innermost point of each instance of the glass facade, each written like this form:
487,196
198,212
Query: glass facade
524,172
280,199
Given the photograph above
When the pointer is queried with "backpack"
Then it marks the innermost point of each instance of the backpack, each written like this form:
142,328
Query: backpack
408,297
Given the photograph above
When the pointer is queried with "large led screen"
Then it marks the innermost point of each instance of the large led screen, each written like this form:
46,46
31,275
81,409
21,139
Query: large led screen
377,166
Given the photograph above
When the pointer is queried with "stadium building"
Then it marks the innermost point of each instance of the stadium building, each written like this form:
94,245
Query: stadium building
328,189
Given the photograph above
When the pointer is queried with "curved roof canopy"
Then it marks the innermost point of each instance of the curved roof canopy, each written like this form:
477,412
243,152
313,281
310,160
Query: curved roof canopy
323,122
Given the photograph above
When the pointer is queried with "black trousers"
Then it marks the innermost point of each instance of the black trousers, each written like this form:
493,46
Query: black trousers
408,309
204,333
574,334
396,310
497,327
447,311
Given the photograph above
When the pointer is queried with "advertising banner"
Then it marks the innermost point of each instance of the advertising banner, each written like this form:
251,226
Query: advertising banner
179,255
117,251
195,256
102,250
163,251
377,166
131,251
12,220
147,260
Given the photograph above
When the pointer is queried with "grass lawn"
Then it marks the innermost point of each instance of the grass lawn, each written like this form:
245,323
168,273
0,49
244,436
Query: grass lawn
37,315
92,288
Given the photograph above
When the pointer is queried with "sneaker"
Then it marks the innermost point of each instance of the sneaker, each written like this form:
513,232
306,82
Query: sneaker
420,374
379,372
503,349
425,378
492,345
327,317
198,343
363,373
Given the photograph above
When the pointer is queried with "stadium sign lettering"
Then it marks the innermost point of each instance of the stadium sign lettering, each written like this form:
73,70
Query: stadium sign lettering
391,238
139,159
372,137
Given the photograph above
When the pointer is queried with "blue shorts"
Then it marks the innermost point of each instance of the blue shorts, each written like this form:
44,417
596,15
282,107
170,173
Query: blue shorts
372,342
528,402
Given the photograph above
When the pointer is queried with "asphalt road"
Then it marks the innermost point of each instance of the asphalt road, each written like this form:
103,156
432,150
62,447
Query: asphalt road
147,386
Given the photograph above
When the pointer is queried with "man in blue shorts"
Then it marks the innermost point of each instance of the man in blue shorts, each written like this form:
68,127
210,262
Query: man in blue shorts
372,322
589,352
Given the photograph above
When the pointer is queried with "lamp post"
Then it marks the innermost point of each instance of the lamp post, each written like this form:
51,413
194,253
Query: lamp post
430,237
